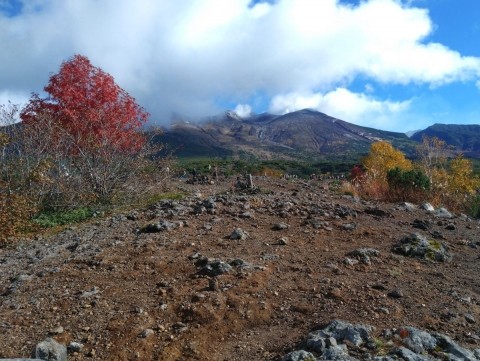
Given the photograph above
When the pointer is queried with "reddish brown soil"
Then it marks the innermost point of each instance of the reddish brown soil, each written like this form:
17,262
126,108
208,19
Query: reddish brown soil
149,281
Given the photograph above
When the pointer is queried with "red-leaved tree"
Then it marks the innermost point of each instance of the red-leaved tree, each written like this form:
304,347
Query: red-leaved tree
89,134
89,107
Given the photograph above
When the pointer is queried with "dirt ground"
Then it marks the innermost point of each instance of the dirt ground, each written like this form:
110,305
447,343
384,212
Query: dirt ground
125,294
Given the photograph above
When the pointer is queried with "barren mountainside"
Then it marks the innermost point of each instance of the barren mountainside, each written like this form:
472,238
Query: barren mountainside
297,135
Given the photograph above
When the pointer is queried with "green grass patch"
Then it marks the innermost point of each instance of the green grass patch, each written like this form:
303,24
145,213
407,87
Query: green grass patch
58,218
157,197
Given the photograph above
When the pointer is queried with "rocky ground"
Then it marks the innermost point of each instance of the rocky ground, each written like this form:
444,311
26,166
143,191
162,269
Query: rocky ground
222,275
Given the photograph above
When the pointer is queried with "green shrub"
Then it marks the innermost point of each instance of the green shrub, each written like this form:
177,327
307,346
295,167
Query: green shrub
407,184
56,218
475,207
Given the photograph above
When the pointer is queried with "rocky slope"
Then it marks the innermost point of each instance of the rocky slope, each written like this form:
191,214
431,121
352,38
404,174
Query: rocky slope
222,275
297,135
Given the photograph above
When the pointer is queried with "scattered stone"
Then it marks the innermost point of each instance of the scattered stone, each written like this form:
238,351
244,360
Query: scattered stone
384,310
395,294
450,227
74,347
280,226
447,345
349,226
469,317
179,327
364,254
341,331
57,331
146,333
50,350
238,234
442,213
282,241
424,225
163,226
350,261
409,207
378,212
416,245
90,293
212,268
379,287
300,355
427,207
336,341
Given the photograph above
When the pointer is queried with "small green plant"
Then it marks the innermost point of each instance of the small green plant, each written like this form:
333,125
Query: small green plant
475,207
56,218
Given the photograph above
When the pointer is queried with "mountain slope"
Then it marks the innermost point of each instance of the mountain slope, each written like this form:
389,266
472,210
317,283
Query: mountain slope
300,134
465,138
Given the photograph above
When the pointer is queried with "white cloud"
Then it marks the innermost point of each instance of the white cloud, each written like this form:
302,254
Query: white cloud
243,110
15,99
185,56
343,104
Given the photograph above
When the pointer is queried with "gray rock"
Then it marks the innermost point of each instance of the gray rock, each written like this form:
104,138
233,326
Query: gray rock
283,241
75,347
159,227
395,294
409,207
316,342
450,227
341,331
280,226
238,234
50,350
349,226
417,245
300,355
469,317
350,261
214,268
455,351
417,345
409,355
364,254
146,333
442,213
419,341
88,294
427,207
337,353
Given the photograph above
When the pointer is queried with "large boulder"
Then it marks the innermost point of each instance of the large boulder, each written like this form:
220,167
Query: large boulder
417,245
50,350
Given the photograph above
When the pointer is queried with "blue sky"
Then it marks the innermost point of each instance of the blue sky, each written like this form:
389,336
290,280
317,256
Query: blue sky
390,64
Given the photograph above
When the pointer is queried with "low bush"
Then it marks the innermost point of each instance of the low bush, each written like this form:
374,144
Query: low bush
407,185
15,213
57,218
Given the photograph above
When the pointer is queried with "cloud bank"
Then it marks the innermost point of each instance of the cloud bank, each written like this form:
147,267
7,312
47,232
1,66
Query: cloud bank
195,56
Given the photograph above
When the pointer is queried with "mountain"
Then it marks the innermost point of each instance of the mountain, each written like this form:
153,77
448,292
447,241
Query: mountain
297,135
465,138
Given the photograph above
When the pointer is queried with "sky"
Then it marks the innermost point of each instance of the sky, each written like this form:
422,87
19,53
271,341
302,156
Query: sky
397,65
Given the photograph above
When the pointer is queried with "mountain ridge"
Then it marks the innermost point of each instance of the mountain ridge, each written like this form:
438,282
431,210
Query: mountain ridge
301,134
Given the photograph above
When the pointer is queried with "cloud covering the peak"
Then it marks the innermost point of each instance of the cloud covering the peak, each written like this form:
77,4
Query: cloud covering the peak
194,56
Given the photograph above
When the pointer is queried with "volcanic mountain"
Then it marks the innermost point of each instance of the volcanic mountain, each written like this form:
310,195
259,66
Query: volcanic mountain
297,135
